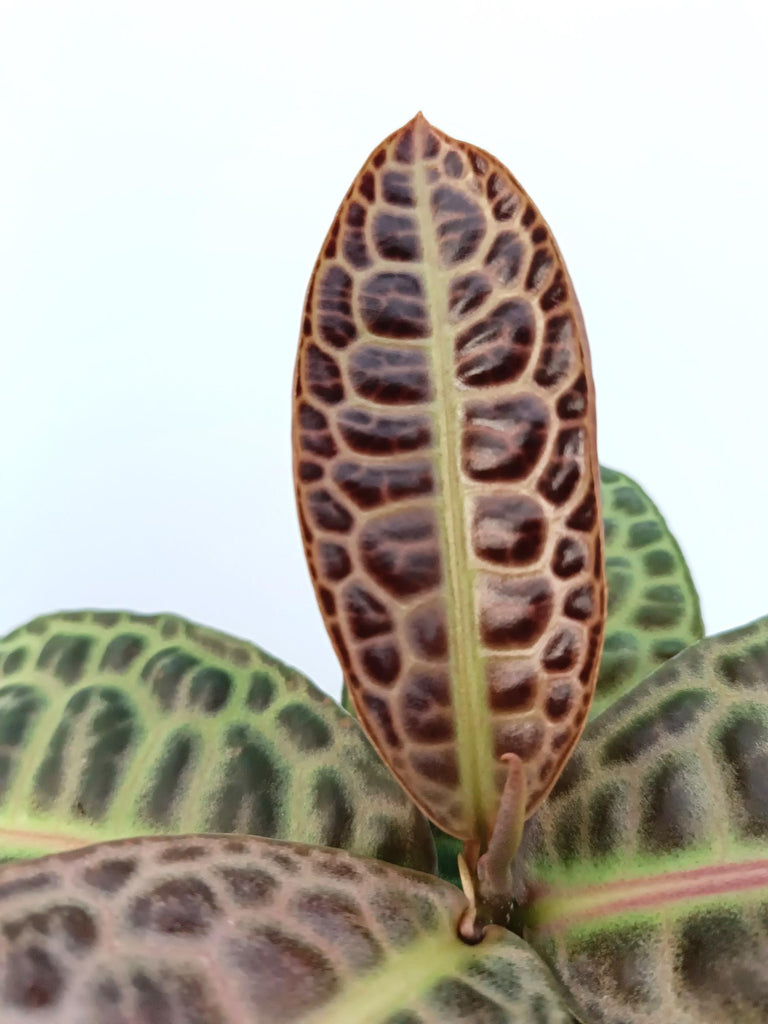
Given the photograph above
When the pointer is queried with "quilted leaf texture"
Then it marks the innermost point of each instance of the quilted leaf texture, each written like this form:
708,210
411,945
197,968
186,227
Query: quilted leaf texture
447,479
239,930
114,725
645,875
653,607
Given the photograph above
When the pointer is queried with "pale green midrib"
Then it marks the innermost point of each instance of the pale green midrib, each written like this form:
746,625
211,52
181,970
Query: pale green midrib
470,711
404,977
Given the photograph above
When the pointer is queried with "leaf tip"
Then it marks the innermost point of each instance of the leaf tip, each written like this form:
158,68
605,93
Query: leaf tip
419,123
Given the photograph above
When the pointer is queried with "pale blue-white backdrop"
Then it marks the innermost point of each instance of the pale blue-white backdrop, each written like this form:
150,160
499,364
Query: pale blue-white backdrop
167,174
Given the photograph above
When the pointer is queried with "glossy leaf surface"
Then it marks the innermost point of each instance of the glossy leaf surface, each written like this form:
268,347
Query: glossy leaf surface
447,847
646,872
653,607
115,724
445,463
225,930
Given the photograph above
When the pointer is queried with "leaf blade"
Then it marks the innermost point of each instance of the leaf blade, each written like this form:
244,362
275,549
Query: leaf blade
653,608
228,929
117,724
443,438
654,845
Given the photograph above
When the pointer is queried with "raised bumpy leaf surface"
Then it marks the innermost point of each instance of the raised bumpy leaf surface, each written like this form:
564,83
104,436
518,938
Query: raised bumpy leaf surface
225,930
113,724
646,872
444,448
653,607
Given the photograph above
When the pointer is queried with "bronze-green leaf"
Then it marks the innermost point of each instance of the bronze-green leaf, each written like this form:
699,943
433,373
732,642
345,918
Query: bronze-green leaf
114,724
653,607
237,930
645,875
447,480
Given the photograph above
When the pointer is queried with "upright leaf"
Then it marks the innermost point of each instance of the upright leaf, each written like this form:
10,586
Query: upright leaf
113,724
653,607
444,445
645,874
224,930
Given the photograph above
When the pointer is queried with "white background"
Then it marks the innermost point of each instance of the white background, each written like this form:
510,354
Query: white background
167,174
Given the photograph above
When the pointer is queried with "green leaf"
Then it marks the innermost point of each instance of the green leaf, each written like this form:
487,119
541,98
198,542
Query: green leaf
113,724
346,701
653,607
645,875
448,850
224,930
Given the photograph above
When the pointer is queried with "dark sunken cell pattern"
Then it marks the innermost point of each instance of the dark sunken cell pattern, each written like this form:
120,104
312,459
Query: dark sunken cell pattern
145,930
716,957
686,756
77,687
653,608
368,470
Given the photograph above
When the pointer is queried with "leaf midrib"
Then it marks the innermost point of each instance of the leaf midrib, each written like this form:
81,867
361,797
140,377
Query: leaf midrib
470,712
404,977
556,910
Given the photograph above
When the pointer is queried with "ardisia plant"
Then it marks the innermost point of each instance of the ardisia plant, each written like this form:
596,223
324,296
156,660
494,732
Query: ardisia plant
197,835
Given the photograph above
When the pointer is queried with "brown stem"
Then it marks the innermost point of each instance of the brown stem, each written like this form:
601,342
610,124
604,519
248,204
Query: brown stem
486,879
493,867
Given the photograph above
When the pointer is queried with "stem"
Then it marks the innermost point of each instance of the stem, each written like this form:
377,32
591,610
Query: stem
486,879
